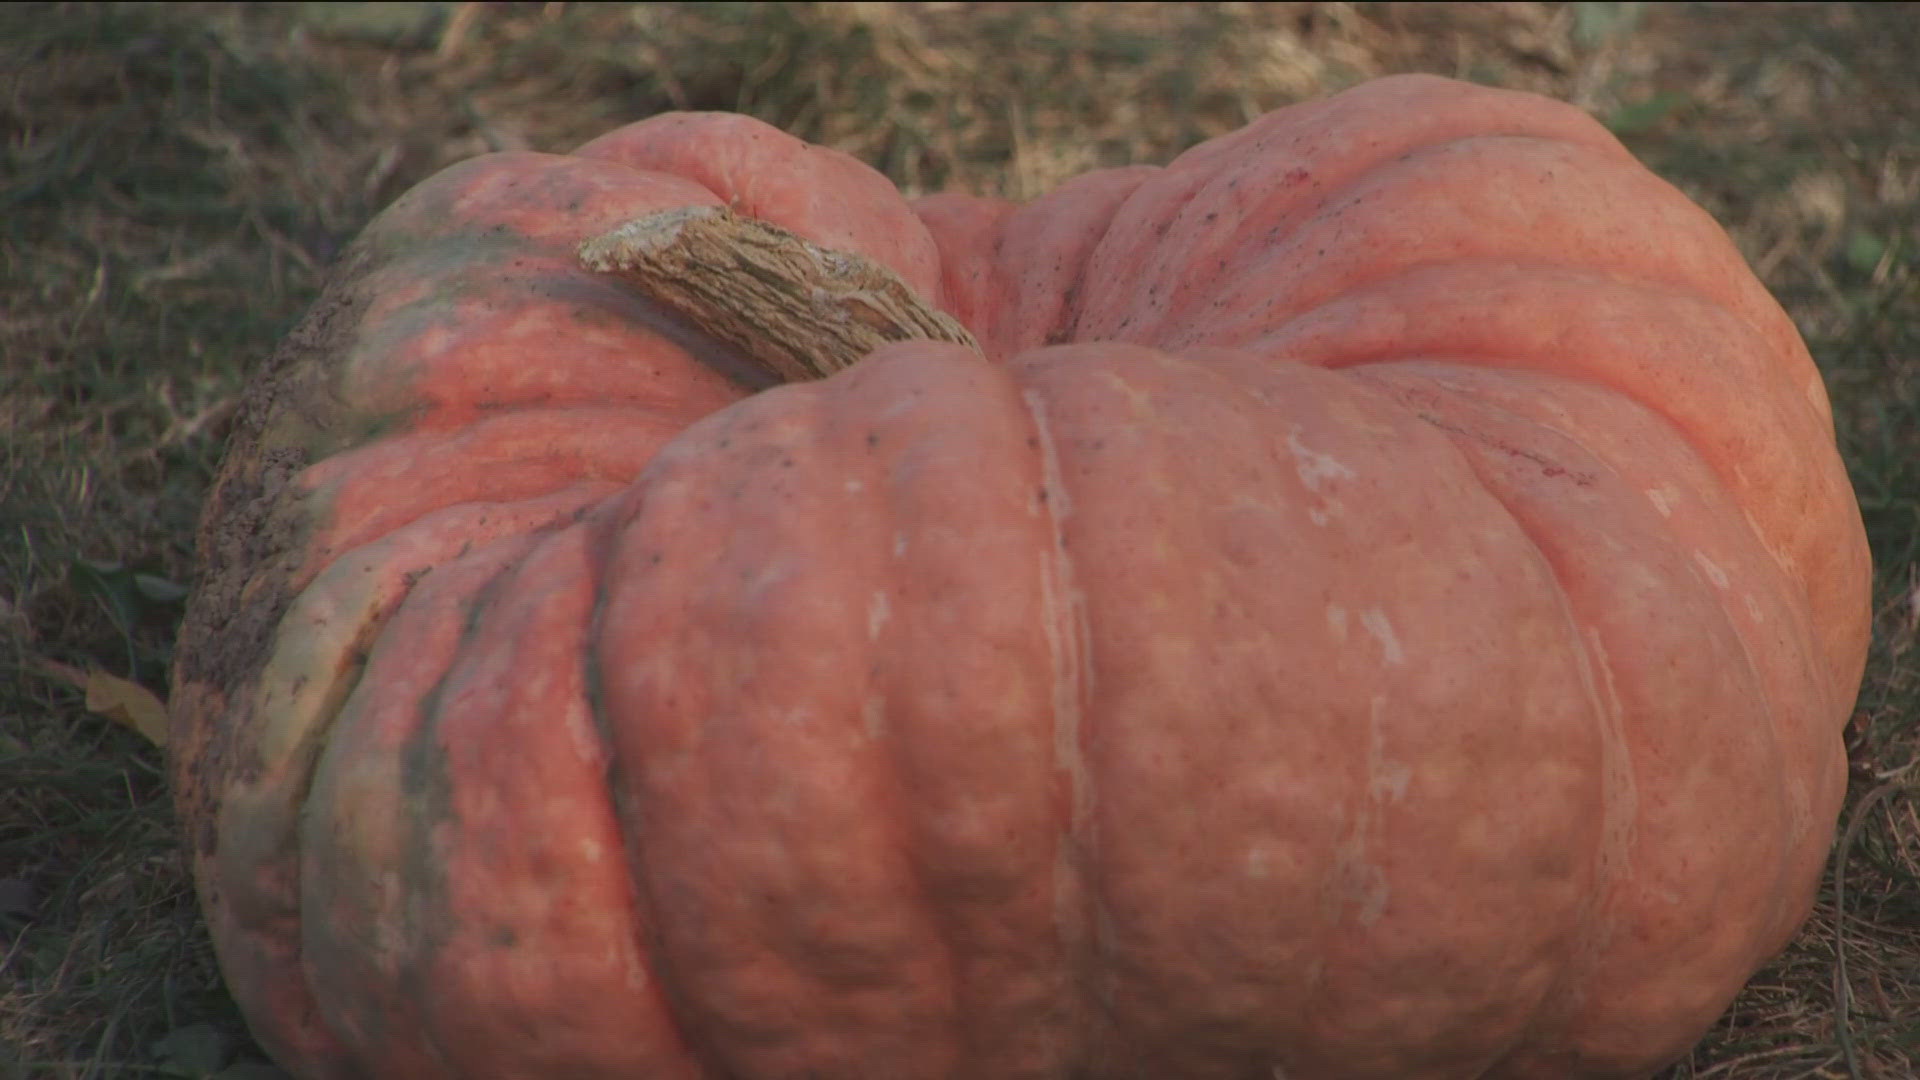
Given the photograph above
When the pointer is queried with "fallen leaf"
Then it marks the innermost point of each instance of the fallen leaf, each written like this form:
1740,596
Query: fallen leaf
120,700
66,673
127,703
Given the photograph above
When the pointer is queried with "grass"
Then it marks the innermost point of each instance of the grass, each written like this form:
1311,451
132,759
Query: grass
176,178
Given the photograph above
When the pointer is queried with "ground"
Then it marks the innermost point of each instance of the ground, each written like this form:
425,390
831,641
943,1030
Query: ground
177,178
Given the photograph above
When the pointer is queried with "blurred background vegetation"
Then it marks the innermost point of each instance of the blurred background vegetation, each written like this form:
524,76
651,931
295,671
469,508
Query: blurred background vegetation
177,177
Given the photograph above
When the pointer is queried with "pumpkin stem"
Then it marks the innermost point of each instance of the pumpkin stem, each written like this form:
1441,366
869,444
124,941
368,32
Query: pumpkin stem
801,310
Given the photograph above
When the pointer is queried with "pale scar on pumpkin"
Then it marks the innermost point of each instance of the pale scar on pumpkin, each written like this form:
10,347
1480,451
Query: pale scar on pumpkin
801,310
1318,471
1375,622
1069,645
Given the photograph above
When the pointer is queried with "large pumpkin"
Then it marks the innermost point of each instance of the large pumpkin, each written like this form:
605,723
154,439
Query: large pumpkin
1384,606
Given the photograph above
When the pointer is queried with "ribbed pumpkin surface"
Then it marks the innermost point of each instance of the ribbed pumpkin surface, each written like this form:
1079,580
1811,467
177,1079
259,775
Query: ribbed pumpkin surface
1385,606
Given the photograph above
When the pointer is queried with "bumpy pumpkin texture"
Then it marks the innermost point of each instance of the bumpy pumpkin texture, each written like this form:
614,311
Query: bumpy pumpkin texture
1381,602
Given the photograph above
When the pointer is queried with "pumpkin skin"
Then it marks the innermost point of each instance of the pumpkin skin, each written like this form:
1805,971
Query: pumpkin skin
1385,607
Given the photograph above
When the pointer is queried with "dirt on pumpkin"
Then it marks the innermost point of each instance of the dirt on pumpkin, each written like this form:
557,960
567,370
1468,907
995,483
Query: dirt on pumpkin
177,178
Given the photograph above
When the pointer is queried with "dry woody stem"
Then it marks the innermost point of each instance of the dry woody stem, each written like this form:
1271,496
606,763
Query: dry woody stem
802,310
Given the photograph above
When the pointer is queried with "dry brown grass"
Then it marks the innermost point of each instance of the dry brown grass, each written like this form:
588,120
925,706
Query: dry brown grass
177,177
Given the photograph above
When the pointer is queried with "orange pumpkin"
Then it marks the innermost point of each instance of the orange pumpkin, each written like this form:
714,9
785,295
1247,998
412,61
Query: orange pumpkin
1384,606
